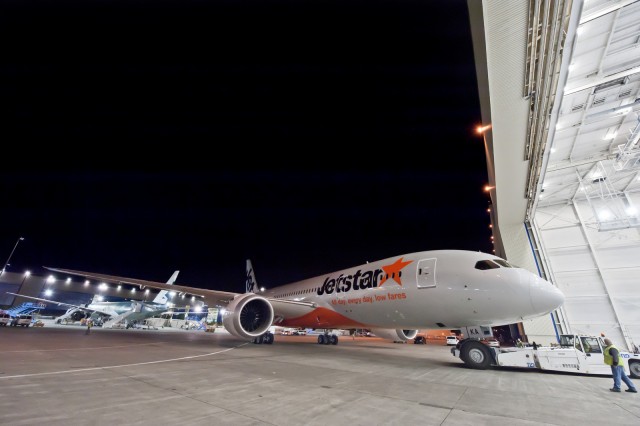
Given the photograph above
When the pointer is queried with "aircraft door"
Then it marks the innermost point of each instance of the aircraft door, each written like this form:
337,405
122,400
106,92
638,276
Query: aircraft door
426,273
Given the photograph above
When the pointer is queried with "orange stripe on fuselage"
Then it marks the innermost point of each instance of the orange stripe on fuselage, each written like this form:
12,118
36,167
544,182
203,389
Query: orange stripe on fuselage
322,318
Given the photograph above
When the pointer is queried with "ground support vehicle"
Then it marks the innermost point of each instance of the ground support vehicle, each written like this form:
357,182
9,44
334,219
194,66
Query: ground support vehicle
22,320
452,340
574,354
5,319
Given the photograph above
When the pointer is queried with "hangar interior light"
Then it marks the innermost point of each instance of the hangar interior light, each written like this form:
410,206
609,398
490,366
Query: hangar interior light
612,209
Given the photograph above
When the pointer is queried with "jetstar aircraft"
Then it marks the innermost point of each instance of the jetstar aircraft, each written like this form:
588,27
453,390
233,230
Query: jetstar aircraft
393,297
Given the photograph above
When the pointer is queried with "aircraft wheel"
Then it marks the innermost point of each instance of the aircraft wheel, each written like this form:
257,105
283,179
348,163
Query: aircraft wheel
268,339
321,339
475,355
333,339
634,368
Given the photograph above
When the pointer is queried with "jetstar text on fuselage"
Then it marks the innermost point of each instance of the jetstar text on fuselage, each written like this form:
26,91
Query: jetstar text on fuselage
363,280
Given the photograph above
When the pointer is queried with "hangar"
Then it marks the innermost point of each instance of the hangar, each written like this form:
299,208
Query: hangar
559,86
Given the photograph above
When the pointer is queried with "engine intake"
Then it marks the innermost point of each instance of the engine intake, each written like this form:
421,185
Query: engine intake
395,335
248,315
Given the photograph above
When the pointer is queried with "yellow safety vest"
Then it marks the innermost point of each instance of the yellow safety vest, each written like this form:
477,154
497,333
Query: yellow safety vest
608,359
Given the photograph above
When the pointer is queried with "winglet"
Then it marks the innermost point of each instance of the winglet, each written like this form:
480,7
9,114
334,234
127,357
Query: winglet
173,277
252,284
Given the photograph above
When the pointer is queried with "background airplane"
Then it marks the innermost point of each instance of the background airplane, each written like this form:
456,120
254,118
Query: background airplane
110,313
393,297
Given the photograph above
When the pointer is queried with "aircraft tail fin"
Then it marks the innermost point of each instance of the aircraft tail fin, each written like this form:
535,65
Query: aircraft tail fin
251,283
162,297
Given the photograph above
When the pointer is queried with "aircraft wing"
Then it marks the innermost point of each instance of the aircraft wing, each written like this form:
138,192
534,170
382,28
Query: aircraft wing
84,308
212,296
282,308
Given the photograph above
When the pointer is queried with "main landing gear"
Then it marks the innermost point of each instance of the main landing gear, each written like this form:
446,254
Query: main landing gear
266,339
327,339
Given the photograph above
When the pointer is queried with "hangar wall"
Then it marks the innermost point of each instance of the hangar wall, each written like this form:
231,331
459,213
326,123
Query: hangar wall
598,271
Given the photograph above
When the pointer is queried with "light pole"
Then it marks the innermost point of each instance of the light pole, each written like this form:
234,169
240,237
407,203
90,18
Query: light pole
9,258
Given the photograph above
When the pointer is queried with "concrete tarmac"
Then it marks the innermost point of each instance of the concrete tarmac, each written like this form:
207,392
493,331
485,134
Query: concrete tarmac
58,375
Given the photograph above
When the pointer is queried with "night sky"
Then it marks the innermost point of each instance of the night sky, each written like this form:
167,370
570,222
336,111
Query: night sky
309,136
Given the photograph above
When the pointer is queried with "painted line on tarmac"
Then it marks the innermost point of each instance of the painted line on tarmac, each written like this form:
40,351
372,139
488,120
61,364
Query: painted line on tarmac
119,366
88,349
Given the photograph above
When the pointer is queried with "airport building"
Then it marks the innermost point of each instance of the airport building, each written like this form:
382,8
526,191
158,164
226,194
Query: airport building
70,291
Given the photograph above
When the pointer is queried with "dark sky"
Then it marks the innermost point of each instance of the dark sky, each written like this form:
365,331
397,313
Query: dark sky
310,136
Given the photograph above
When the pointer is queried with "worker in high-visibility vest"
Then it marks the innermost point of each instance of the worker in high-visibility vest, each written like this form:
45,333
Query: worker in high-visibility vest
612,358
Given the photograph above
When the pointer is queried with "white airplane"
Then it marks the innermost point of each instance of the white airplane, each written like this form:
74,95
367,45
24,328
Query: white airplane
393,297
137,310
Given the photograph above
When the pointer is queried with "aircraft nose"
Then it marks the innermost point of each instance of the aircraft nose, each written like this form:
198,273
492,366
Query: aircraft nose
545,297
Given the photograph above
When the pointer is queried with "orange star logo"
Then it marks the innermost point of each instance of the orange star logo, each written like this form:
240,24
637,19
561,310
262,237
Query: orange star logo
393,271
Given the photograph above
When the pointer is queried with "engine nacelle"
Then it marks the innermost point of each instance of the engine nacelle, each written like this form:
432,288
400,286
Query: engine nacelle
248,315
78,315
395,335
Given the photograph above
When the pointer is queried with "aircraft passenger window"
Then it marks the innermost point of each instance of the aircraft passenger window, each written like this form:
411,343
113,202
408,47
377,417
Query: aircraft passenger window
486,264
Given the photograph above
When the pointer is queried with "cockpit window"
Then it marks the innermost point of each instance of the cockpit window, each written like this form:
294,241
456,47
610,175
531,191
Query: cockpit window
486,264
502,262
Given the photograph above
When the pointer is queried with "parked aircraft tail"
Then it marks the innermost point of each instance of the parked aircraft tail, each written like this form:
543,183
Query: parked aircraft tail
252,284
162,297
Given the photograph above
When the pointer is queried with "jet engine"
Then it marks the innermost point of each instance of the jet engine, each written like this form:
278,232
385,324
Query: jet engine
248,315
78,315
395,334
